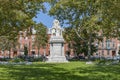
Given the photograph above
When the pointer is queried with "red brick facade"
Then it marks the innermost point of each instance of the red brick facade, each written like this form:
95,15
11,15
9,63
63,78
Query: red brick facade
106,48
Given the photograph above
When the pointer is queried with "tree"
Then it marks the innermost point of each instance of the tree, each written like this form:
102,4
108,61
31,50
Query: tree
3,43
8,43
68,35
79,45
17,15
41,36
88,18
25,51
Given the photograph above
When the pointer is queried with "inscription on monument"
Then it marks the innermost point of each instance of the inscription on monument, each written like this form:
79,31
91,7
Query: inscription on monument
57,49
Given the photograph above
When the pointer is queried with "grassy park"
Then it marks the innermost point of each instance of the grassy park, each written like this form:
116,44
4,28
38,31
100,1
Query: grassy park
60,71
83,28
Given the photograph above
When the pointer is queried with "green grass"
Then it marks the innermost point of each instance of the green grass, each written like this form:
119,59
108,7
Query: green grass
61,71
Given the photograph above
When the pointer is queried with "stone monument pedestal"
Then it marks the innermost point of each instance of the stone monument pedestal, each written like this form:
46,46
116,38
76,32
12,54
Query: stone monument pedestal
56,44
57,59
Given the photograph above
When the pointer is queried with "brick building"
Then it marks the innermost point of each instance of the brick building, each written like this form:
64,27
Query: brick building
107,48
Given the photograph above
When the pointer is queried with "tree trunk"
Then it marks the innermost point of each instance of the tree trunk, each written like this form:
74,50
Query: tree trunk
89,46
9,54
38,52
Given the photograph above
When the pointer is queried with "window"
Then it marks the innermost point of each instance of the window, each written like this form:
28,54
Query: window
113,44
108,42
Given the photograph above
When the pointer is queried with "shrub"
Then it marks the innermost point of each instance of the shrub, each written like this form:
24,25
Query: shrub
4,59
25,51
38,59
16,60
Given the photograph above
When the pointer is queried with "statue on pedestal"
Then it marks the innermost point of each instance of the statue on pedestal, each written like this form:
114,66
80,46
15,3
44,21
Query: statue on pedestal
56,29
56,24
56,44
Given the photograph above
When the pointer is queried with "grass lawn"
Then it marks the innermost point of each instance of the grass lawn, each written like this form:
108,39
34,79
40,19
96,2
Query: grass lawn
60,71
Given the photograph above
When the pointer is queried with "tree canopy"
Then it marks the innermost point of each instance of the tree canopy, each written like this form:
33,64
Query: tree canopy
17,15
41,36
89,15
88,18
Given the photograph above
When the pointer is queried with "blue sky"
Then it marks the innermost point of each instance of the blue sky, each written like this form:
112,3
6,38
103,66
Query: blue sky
46,20
44,17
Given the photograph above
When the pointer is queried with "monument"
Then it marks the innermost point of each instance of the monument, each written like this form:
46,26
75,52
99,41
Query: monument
56,44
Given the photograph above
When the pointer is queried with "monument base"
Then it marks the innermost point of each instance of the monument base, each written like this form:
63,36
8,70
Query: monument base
57,59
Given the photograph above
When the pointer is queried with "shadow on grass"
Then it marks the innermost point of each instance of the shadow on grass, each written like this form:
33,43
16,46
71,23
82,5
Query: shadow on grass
97,72
54,72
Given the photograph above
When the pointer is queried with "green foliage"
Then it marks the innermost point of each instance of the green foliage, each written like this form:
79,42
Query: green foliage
41,36
91,16
68,34
82,47
37,59
4,59
79,14
88,19
17,15
16,60
78,44
86,11
8,42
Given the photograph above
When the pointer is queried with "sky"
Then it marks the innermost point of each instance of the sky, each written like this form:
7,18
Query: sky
46,20
44,17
